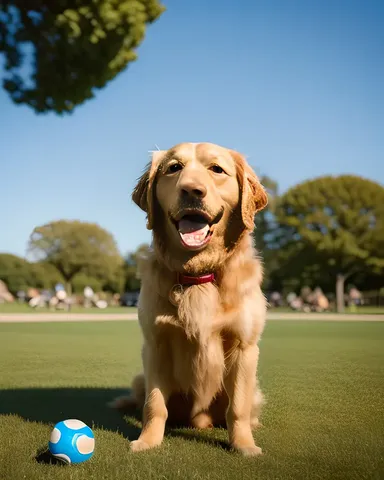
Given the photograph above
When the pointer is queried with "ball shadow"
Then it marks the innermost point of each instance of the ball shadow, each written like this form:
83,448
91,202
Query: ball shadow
45,457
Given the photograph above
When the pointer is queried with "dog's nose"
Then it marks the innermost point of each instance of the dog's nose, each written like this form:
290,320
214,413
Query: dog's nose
193,187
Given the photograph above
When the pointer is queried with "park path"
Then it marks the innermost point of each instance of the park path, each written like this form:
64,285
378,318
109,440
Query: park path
100,317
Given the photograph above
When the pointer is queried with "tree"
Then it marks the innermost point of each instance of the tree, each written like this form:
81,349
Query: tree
113,283
265,220
15,272
132,282
74,247
19,274
43,275
265,235
81,280
77,46
334,225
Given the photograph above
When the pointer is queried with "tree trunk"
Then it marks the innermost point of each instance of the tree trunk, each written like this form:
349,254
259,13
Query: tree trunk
340,280
68,287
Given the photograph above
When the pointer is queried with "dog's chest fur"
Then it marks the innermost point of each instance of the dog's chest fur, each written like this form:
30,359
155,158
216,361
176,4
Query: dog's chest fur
203,339
203,333
197,368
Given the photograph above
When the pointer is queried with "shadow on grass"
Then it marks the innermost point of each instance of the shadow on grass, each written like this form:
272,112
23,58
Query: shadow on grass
44,456
51,405
201,436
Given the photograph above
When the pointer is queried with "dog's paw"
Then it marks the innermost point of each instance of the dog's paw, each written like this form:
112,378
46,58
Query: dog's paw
252,451
139,446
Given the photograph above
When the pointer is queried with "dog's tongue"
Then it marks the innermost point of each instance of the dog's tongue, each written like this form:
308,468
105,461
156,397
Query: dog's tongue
193,232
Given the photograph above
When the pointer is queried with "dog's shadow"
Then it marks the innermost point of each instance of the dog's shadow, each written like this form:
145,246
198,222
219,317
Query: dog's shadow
202,436
51,405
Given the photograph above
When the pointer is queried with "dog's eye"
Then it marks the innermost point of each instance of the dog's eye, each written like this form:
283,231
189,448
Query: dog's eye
175,167
216,169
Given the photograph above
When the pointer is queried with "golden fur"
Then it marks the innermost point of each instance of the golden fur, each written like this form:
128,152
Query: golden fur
200,349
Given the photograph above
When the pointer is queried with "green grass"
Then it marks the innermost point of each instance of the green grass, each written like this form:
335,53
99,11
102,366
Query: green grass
25,308
324,417
363,310
367,310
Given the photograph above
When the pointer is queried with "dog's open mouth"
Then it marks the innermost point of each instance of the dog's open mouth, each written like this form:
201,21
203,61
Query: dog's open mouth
194,230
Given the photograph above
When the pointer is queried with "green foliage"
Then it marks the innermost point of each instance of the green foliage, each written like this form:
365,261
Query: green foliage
19,274
132,283
265,220
44,275
73,247
319,229
114,282
331,228
15,272
339,219
81,280
78,46
265,227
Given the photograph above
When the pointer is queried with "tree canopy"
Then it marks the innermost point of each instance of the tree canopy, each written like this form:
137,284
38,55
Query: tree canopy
333,225
77,46
264,220
264,233
132,282
77,247
15,272
19,274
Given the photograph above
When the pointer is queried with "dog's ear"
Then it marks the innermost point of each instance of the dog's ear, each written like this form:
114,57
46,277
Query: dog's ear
143,192
253,195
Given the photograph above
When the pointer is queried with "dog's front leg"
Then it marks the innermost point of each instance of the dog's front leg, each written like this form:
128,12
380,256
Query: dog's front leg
240,384
155,412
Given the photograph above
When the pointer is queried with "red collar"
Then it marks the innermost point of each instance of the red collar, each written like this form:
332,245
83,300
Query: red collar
187,280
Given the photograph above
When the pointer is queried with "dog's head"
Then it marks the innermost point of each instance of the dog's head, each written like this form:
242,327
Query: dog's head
199,198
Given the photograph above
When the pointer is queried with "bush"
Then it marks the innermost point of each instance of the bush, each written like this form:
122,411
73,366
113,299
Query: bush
19,274
44,275
15,272
81,280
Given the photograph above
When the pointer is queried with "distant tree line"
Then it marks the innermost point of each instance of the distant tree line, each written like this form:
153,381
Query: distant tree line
327,232
77,254
324,232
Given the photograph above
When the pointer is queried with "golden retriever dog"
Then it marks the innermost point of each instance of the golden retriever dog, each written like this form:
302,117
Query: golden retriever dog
201,309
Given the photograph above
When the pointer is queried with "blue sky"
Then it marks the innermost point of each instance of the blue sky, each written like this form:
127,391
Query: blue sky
297,86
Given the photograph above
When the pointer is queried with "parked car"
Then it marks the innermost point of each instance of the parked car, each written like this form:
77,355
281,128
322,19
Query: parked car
129,299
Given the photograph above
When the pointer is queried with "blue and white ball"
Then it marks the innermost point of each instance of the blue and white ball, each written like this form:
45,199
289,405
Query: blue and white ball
72,441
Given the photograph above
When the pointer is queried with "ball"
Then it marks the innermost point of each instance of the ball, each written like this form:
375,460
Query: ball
72,441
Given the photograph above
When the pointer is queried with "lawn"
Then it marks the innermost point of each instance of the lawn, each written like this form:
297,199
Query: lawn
324,419
25,308
364,310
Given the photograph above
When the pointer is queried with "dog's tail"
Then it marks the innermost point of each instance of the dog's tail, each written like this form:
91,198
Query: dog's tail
134,399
